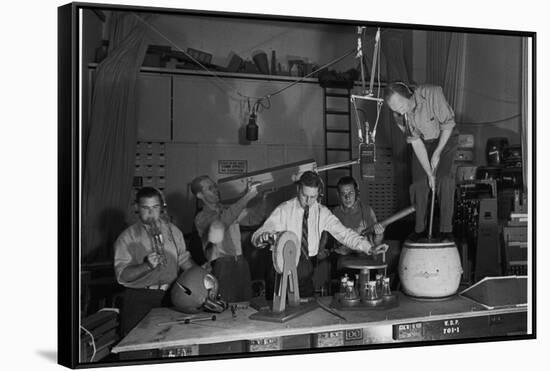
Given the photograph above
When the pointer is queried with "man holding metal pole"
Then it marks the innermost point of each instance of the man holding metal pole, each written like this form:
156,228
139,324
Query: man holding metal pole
428,122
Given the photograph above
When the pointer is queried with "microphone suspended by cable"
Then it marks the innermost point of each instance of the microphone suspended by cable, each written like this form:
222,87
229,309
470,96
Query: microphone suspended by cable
367,158
252,128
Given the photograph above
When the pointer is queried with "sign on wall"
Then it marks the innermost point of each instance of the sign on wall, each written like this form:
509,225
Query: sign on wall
232,166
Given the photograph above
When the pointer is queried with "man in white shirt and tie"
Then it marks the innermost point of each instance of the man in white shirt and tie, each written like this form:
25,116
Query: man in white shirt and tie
307,218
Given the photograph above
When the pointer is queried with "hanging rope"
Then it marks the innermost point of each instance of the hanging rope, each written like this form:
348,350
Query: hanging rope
369,137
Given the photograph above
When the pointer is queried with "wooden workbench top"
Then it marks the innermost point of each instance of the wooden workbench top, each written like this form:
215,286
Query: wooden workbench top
150,333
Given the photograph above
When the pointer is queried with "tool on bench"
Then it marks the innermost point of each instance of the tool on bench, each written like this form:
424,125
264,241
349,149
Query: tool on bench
188,320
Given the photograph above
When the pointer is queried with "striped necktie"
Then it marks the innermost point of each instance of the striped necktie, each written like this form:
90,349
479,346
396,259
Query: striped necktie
304,233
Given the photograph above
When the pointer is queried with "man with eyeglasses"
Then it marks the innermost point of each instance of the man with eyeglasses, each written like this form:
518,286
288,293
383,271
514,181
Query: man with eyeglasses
149,255
307,218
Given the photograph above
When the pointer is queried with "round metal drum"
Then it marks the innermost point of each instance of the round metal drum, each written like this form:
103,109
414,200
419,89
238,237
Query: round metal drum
286,245
429,270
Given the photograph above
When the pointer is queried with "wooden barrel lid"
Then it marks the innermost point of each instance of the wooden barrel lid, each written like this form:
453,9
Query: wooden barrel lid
362,262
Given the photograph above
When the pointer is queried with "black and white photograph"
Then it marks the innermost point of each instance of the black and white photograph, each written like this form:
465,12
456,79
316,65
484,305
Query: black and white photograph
251,184
266,187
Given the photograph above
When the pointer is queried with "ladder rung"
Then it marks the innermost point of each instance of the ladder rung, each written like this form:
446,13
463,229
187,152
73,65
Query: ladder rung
338,131
333,112
340,169
341,95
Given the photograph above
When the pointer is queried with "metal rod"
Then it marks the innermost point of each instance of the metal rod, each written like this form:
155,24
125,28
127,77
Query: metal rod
368,97
431,214
188,320
337,165
374,60
360,56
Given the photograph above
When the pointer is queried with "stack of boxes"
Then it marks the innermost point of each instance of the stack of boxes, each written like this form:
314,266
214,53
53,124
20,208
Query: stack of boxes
150,165
515,247
150,168
515,237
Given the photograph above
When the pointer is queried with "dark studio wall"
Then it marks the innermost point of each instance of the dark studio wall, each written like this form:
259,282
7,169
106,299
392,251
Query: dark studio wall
492,104
202,124
491,87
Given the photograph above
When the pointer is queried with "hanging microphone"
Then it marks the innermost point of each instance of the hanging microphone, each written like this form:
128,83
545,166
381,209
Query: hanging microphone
367,152
252,128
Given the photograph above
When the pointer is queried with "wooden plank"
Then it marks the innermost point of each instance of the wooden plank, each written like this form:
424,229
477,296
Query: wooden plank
148,335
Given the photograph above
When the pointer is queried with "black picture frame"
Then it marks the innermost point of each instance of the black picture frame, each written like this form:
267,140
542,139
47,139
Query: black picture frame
69,178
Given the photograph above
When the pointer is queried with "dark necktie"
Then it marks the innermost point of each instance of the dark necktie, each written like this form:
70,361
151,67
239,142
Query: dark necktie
304,233
408,127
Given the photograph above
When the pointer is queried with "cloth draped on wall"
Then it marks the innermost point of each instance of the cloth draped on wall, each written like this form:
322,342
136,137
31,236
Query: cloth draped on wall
437,51
446,62
108,164
455,71
524,111
393,47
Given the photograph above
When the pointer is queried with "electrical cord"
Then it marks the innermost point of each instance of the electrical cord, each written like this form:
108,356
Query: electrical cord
378,104
93,341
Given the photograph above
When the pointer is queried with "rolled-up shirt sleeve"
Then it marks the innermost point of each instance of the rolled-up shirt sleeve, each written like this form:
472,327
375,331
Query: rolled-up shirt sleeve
412,139
346,236
442,110
122,258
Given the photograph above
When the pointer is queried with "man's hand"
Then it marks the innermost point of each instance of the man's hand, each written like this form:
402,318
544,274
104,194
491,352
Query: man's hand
431,181
207,267
264,239
216,232
378,228
153,260
323,254
366,245
252,189
435,160
382,248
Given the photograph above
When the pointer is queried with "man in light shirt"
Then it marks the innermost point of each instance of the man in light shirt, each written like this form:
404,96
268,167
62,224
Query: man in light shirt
149,256
218,227
428,122
307,218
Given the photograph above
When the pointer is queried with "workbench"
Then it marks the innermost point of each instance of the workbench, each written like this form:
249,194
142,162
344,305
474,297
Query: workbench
413,320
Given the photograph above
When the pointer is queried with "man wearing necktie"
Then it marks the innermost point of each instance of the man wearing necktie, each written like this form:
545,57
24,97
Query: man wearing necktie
306,217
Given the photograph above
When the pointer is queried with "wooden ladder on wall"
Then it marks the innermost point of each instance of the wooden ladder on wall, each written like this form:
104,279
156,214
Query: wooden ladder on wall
338,139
